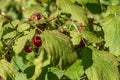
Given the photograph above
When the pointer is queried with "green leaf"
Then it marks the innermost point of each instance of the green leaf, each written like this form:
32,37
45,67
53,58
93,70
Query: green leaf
2,19
100,65
113,10
29,11
76,11
15,22
76,37
40,62
111,29
22,27
94,6
91,37
45,1
9,35
1,32
75,70
58,72
20,76
30,33
30,56
6,70
110,2
80,1
59,46
19,44
12,24
30,71
18,63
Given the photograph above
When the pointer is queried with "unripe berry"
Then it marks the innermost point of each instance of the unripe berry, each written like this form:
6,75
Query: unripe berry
37,41
28,48
35,16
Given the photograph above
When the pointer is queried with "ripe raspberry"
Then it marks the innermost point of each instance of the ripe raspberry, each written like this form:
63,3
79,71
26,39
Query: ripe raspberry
37,41
28,48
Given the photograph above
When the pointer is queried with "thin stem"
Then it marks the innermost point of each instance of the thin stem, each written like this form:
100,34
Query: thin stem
83,77
84,41
75,27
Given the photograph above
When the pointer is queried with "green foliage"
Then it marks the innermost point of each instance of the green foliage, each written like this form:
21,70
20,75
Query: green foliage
111,29
19,44
76,37
6,70
75,71
59,48
22,27
76,11
79,40
102,66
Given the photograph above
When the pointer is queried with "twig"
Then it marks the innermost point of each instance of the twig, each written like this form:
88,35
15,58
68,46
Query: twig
82,77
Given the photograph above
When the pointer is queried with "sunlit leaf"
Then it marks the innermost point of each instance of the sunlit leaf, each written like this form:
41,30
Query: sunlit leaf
111,29
20,76
22,27
6,70
76,11
11,34
75,71
100,65
76,37
91,37
29,11
59,47
19,44
57,72
2,19
18,63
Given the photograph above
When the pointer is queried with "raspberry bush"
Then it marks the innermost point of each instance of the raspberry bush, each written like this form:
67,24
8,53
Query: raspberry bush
59,40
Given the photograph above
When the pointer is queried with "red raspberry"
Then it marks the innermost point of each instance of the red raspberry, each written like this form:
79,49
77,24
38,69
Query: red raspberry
28,48
37,41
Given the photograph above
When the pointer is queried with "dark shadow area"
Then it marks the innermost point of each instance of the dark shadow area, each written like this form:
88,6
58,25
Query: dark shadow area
30,71
65,78
87,58
43,73
94,8
119,68
52,76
